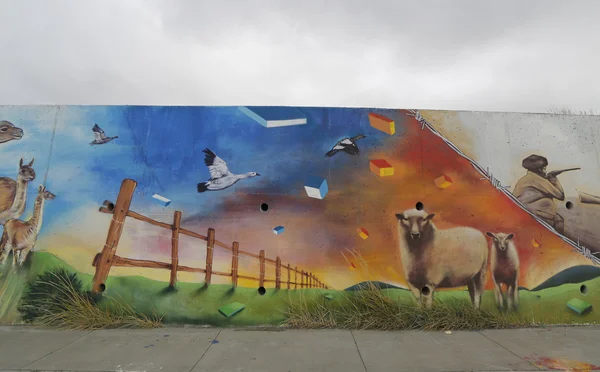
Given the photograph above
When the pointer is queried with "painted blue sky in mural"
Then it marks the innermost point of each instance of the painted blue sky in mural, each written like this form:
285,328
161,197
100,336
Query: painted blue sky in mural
161,148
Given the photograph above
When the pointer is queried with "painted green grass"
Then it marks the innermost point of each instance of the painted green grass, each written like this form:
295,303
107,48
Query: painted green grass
14,282
190,303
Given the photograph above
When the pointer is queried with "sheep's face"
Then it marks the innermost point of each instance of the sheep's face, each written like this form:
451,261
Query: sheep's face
414,222
501,240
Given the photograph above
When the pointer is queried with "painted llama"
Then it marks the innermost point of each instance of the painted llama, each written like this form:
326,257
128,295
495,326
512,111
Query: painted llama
20,236
13,194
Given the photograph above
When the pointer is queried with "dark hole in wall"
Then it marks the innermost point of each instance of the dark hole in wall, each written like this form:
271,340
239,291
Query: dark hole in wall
102,287
425,291
264,207
262,291
569,205
419,206
583,289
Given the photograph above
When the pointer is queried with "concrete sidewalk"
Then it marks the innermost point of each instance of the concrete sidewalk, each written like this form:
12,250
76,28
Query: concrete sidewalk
249,350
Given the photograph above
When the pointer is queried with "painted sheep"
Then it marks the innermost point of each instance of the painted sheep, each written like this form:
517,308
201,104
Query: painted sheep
505,269
433,258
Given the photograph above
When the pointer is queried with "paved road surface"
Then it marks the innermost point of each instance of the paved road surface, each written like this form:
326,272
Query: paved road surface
260,350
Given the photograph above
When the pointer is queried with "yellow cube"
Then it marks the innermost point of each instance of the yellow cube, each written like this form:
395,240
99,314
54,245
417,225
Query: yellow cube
535,243
382,123
363,233
443,181
381,168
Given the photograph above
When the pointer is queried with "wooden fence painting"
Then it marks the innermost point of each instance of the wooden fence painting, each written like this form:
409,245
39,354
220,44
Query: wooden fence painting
120,210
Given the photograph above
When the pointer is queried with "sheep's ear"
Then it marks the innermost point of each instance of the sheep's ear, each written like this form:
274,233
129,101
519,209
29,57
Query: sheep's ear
491,235
400,216
510,236
21,163
31,162
430,217
40,188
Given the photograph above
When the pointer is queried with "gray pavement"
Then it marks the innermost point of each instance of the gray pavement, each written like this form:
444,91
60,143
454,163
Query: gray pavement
264,350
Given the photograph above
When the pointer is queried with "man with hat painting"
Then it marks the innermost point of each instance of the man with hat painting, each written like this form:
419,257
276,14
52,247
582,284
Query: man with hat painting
538,189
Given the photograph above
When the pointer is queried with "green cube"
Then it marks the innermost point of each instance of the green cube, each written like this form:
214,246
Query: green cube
328,296
231,309
579,306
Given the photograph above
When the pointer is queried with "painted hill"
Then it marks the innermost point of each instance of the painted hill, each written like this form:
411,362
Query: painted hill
572,275
378,285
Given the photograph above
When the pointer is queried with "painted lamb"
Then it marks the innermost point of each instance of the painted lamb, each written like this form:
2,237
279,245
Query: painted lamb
505,269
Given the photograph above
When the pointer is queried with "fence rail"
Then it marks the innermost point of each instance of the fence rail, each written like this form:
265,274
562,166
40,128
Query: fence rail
104,260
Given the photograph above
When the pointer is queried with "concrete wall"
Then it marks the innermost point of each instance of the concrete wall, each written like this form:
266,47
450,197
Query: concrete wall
332,192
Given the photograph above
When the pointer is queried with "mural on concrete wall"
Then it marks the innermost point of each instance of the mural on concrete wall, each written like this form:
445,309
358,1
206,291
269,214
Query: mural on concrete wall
218,214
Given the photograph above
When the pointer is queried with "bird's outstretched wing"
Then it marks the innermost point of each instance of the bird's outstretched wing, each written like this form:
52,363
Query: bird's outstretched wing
356,138
216,166
337,147
98,133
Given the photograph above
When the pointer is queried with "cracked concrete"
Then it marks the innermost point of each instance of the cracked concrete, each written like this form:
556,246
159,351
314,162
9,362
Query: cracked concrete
210,349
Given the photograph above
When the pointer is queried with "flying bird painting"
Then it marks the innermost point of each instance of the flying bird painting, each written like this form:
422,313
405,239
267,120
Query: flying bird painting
220,176
347,145
99,136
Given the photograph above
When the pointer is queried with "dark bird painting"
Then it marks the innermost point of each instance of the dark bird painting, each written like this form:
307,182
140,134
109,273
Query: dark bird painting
99,136
347,145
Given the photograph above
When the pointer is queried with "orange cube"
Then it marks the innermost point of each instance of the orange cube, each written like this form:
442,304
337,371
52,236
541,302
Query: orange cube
443,181
382,123
363,233
381,168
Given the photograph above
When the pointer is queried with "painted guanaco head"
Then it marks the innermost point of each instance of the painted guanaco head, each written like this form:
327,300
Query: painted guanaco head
47,195
26,172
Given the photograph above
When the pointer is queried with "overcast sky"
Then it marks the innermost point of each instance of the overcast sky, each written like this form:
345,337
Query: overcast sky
466,55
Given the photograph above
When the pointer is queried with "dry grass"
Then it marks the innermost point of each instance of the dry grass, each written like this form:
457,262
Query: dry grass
56,300
568,111
371,308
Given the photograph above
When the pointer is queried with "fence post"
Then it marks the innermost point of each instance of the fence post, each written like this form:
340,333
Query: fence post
104,260
277,273
302,280
289,275
310,280
175,248
261,277
210,247
234,264
295,277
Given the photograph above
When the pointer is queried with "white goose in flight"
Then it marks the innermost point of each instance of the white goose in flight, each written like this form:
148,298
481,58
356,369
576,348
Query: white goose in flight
220,176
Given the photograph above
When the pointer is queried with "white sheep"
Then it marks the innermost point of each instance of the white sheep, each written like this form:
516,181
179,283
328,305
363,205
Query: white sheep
433,258
505,268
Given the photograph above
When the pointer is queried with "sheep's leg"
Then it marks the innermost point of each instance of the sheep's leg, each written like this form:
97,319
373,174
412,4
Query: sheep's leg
471,288
516,294
478,287
510,292
417,293
498,294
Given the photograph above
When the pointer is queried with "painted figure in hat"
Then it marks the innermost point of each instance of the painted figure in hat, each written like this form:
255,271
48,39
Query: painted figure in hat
538,189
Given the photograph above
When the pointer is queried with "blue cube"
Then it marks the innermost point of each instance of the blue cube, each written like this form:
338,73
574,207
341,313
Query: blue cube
316,187
278,230
161,200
